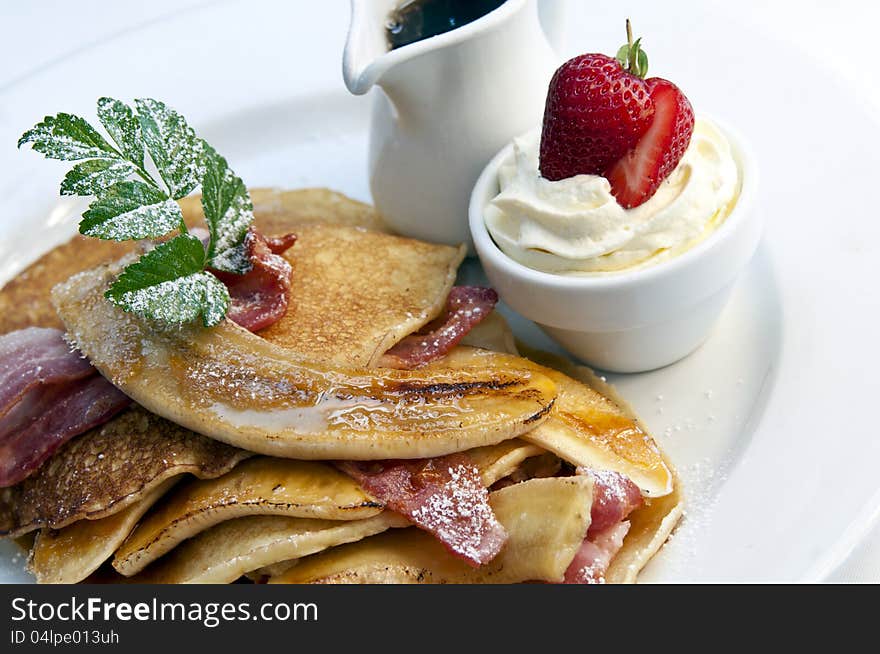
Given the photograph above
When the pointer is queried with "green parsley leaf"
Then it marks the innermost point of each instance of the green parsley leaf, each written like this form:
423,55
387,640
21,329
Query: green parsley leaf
68,138
131,210
228,212
94,175
169,284
173,146
122,124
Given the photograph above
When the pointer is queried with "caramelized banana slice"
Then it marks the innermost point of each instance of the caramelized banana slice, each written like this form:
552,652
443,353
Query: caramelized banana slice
545,518
586,427
69,555
236,387
226,552
262,486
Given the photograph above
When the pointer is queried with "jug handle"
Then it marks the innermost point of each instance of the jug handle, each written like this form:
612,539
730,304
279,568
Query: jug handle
552,16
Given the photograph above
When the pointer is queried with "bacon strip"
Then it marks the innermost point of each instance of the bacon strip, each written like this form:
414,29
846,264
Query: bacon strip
260,297
48,395
466,306
444,496
36,357
595,554
615,496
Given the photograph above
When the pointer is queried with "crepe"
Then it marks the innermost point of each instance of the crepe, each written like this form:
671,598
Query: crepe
226,552
71,554
268,486
355,294
24,300
546,520
261,486
495,462
492,333
236,387
109,468
278,211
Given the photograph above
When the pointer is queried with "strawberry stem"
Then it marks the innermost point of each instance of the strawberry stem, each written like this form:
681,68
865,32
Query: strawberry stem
631,56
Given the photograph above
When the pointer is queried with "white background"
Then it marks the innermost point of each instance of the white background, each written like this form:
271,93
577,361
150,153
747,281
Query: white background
839,36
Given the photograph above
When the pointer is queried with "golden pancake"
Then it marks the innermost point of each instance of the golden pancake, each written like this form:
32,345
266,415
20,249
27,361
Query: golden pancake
496,462
268,486
354,293
24,300
71,554
546,520
261,486
492,333
278,212
650,527
226,552
109,468
236,387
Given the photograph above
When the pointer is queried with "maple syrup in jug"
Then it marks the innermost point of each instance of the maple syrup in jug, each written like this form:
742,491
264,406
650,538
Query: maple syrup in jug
417,20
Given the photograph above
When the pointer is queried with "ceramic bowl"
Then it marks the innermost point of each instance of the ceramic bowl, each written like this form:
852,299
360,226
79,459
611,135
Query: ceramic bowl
628,321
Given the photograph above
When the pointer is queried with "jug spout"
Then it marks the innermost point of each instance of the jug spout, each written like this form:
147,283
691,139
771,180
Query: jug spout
366,48
367,56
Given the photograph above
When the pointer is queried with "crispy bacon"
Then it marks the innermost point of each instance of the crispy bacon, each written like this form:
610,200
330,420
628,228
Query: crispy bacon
259,297
36,357
444,496
466,306
591,561
48,395
615,496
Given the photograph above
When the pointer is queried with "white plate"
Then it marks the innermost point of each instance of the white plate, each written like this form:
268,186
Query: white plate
768,422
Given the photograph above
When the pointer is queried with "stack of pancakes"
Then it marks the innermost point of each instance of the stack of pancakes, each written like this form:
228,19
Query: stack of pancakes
145,499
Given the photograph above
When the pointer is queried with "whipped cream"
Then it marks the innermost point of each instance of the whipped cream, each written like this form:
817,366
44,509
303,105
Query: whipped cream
576,226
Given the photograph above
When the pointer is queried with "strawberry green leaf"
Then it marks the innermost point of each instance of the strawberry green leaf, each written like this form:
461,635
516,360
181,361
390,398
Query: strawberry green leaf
643,63
131,210
622,55
169,284
68,138
91,177
228,212
173,146
121,123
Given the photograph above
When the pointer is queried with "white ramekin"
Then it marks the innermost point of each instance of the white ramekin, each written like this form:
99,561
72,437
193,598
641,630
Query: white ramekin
629,321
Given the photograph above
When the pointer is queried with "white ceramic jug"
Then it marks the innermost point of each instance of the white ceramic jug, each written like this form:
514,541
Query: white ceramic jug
448,104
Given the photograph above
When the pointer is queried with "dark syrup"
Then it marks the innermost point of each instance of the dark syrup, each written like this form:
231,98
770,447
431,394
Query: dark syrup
421,19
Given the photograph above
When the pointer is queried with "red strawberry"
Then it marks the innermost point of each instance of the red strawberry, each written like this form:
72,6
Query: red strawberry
602,118
595,113
639,173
